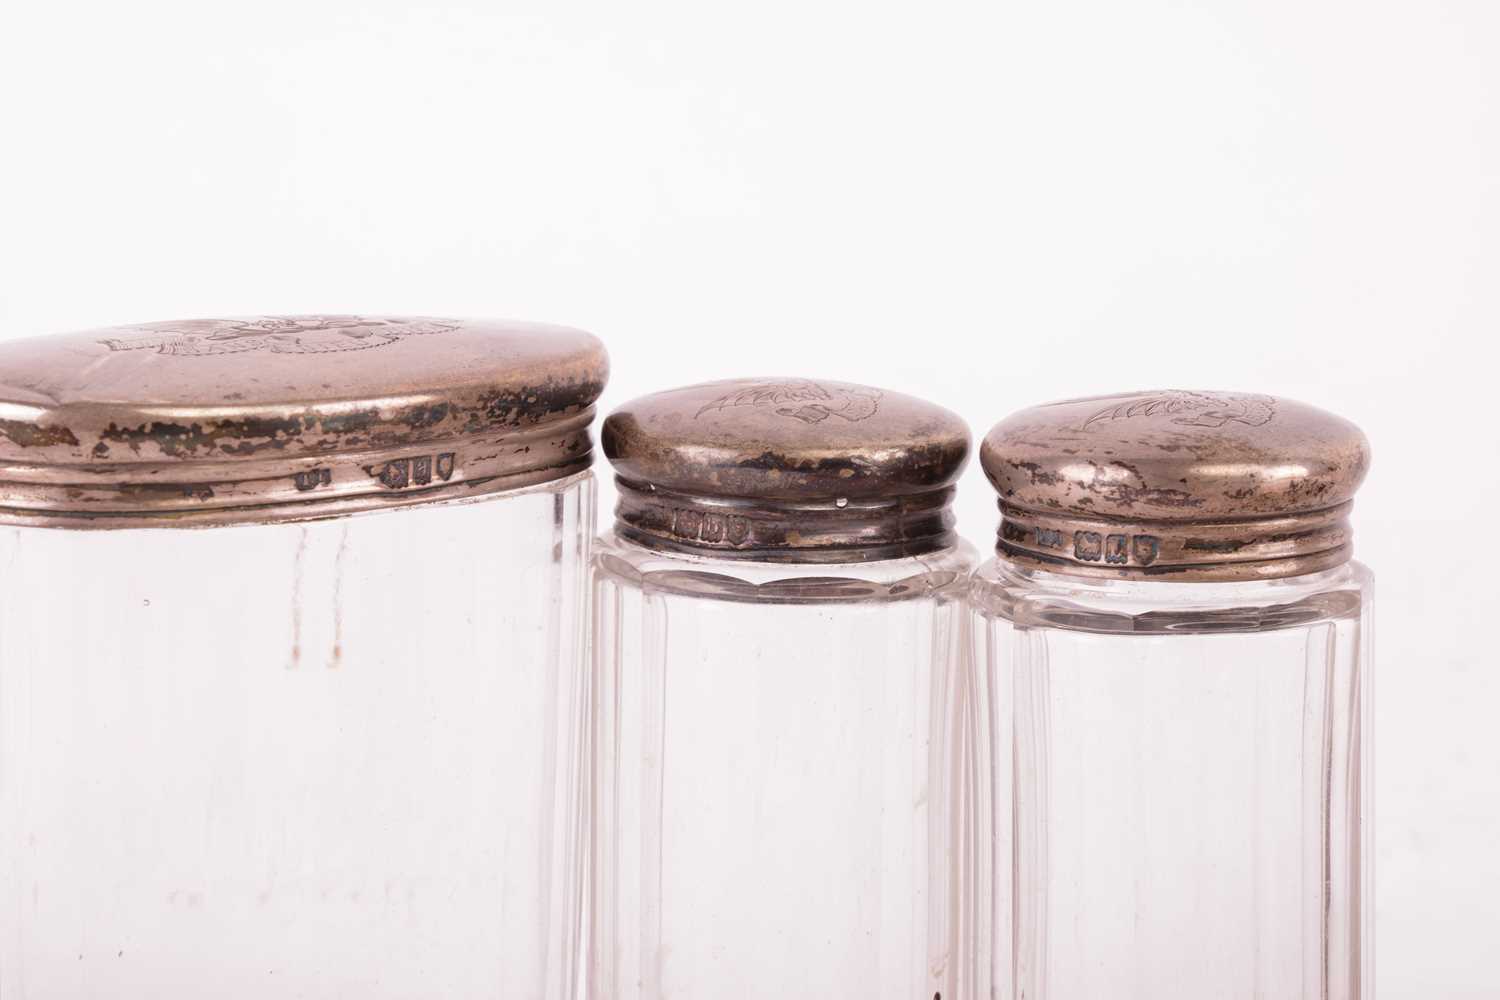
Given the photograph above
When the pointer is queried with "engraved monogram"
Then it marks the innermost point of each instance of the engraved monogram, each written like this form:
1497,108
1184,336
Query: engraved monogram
277,334
804,400
1192,409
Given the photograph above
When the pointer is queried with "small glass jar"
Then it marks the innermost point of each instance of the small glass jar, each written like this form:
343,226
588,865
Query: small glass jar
777,627
292,659
1171,703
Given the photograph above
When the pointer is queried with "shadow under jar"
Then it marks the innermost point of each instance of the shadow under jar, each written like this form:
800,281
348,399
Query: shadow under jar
776,633
291,659
1172,704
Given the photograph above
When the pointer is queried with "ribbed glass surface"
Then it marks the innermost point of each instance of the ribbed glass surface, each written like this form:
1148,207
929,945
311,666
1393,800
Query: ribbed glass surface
1175,780
325,760
773,745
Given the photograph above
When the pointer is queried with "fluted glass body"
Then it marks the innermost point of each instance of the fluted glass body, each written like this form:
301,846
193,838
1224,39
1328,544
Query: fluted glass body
772,751
1175,778
321,760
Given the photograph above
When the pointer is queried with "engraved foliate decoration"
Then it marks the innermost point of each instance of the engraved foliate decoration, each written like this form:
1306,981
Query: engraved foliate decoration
1189,409
804,400
276,334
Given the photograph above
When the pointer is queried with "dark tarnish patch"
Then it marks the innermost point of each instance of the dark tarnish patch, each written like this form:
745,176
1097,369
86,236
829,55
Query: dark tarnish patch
349,423
1291,536
1125,495
166,491
531,405
1129,496
233,437
420,417
1038,475
29,435
1313,488
770,461
765,461
839,466
370,422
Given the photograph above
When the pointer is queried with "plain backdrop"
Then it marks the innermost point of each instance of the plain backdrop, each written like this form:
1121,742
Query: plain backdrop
987,204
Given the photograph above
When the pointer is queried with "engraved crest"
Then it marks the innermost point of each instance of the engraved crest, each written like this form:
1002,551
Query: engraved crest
802,399
277,334
1191,409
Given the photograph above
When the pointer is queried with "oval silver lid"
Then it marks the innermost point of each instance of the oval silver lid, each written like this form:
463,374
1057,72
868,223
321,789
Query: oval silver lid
270,418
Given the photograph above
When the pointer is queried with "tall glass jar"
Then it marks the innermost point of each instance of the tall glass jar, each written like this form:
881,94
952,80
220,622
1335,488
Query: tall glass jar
1171,706
777,622
292,634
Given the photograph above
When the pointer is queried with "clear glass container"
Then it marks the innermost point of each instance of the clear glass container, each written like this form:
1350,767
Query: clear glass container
292,658
328,759
1171,703
1175,786
773,753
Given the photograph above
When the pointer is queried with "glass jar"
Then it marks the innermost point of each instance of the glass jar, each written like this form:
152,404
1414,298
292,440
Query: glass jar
777,628
1171,704
323,744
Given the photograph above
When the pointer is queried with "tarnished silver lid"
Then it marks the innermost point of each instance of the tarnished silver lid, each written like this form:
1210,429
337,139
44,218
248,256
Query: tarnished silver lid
1175,484
222,421
786,470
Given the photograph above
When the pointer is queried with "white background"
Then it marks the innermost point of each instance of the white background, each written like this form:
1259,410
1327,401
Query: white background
990,205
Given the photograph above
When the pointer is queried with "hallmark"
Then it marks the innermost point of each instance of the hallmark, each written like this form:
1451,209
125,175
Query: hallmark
1113,549
1045,538
697,526
400,473
312,478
